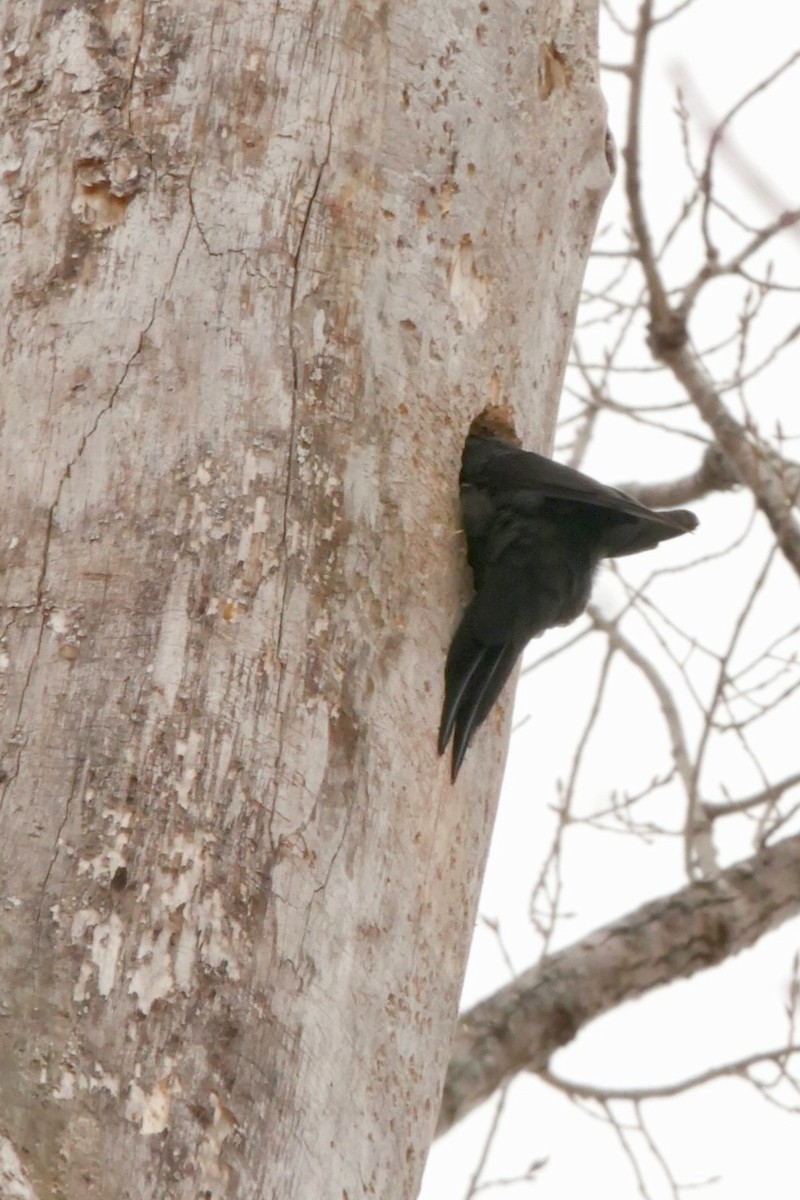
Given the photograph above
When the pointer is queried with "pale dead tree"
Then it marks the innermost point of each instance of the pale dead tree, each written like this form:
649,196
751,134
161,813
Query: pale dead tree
261,266
724,703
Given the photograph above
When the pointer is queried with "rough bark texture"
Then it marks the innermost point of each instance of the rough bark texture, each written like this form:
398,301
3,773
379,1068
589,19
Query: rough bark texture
261,266
520,1027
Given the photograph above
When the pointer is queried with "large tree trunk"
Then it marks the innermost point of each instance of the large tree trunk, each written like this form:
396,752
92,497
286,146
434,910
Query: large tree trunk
261,267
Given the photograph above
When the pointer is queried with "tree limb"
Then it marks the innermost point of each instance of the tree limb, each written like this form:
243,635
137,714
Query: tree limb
521,1026
669,341
714,474
755,467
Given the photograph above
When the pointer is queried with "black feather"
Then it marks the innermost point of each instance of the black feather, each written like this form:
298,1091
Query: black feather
536,531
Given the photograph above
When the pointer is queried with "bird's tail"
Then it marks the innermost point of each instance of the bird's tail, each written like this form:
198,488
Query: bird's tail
475,674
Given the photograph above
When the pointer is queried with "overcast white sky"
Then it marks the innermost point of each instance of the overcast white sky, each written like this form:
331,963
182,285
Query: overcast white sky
723,1133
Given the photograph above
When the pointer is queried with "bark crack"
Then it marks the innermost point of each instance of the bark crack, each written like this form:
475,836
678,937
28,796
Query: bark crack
48,536
249,266
322,887
292,450
132,76
203,238
311,203
84,770
84,441
193,220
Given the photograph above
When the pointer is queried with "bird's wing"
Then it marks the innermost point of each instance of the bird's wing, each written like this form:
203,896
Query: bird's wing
494,466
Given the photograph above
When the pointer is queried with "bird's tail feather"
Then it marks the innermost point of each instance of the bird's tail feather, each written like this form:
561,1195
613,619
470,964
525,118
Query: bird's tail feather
463,660
475,673
486,683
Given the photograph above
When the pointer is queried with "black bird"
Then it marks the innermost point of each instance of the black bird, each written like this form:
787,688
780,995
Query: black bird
535,532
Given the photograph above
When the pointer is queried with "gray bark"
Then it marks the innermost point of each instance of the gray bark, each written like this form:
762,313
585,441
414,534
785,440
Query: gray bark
261,266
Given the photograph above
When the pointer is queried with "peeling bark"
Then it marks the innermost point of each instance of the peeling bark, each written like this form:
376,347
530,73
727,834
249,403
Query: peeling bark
262,267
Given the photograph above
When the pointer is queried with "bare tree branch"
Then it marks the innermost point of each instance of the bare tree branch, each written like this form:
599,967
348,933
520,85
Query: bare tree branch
669,340
756,468
521,1026
713,475
667,1091
767,795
